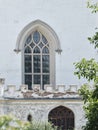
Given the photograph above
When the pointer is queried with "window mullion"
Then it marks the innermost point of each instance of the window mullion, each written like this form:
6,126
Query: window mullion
41,70
32,70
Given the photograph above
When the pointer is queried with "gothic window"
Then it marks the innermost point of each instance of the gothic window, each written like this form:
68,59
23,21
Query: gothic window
36,60
38,44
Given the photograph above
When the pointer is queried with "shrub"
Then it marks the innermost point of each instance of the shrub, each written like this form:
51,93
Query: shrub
8,122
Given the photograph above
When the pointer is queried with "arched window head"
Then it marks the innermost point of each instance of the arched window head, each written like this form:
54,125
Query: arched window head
38,43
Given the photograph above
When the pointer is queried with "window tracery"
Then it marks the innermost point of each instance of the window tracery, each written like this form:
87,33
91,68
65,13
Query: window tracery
36,60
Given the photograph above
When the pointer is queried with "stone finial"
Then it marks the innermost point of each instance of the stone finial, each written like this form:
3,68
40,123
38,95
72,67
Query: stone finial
73,88
58,51
61,88
11,88
17,50
48,88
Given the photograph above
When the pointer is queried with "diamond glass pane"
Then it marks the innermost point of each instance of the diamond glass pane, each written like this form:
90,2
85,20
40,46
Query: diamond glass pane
32,44
45,50
44,39
28,63
45,63
28,39
37,79
41,45
36,37
36,62
28,81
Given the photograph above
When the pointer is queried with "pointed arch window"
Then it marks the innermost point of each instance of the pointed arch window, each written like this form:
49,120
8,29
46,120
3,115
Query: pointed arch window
36,60
38,44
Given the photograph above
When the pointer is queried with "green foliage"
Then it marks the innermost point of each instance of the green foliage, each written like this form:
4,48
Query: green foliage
91,113
41,126
92,6
11,123
87,69
85,93
94,40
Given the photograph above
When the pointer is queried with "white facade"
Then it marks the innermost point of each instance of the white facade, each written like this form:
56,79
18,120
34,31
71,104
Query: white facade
70,22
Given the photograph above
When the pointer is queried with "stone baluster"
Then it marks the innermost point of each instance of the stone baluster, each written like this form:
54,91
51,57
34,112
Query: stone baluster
11,90
61,88
73,88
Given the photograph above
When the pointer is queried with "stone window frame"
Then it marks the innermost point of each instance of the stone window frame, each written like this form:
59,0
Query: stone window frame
52,38
29,47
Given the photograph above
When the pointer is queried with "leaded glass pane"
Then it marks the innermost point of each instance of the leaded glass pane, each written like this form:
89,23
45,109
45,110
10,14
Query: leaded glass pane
28,39
48,45
45,63
46,79
32,44
27,50
36,50
44,39
36,62
28,81
36,37
45,50
28,63
41,45
37,79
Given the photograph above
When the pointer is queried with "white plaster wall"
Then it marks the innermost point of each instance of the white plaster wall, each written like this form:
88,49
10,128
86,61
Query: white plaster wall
70,19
